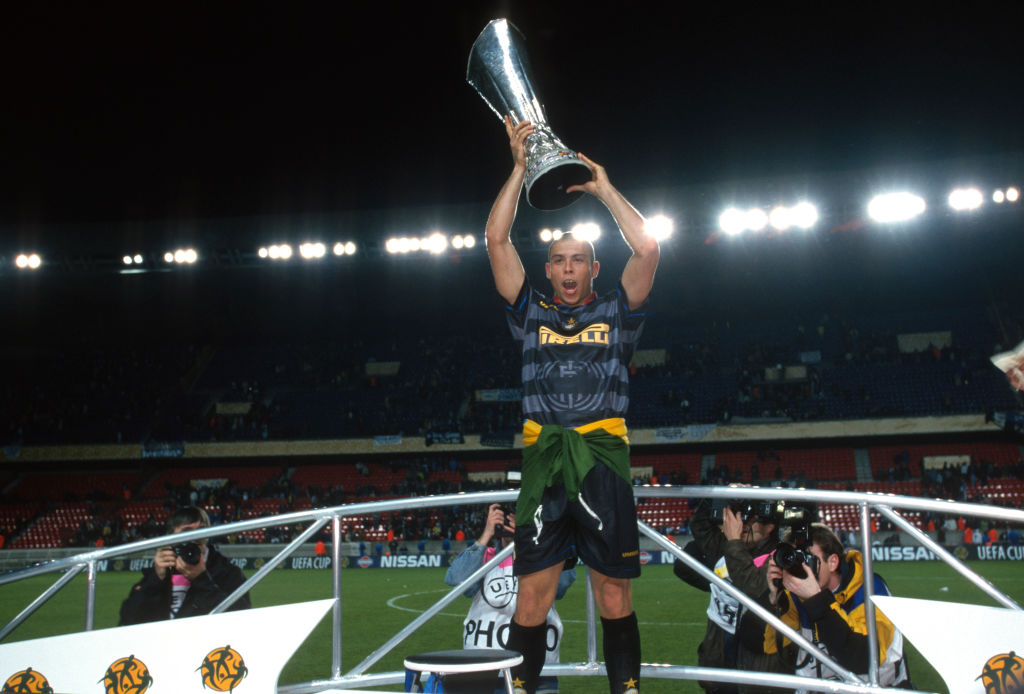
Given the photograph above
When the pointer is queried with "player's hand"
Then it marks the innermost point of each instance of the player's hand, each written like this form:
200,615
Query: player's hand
517,135
732,524
806,587
163,561
595,185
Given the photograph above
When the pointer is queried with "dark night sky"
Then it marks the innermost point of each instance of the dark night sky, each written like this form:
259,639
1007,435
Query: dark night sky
118,116
136,111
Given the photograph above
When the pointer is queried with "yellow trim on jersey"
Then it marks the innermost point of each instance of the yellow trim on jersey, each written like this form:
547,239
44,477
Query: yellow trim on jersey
615,426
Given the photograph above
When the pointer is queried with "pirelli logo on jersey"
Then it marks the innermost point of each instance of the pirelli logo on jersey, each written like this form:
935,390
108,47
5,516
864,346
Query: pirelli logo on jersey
596,334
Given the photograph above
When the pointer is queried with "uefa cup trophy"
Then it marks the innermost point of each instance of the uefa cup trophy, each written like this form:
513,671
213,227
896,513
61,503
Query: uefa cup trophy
499,71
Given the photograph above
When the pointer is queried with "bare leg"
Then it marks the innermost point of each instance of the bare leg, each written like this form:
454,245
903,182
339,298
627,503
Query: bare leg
528,631
621,643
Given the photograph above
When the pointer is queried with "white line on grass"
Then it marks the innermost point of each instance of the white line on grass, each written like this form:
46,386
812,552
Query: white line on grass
393,603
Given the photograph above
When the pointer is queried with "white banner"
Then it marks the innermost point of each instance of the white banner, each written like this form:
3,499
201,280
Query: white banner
974,648
241,651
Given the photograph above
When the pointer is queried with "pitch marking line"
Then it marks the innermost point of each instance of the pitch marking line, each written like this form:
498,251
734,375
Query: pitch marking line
393,603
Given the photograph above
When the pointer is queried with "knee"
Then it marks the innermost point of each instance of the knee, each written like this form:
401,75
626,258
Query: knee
614,599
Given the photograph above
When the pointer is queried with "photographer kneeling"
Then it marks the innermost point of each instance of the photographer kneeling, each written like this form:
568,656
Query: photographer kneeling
186,580
824,600
735,540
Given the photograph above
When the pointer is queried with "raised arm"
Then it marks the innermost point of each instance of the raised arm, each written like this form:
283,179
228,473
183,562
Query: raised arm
638,275
505,263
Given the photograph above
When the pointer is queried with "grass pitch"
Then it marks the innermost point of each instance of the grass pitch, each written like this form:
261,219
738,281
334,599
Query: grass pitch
378,602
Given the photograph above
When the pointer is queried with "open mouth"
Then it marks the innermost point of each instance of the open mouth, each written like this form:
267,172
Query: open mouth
569,285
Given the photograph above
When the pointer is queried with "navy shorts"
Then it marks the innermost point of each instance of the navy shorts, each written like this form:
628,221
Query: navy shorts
598,528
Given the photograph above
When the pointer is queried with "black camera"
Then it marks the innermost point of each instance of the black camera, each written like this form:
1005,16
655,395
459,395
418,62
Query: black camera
499,528
190,552
792,559
747,509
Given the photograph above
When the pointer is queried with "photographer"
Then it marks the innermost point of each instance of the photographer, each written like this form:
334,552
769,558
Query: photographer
735,540
824,599
186,580
494,597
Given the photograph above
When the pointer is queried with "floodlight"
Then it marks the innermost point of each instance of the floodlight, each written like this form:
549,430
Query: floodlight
436,243
191,256
457,242
1012,195
546,235
285,251
998,197
781,218
963,199
263,252
179,256
469,241
895,207
127,260
168,257
405,244
556,234
755,219
138,259
732,222
391,245
310,250
659,226
350,248
804,215
586,231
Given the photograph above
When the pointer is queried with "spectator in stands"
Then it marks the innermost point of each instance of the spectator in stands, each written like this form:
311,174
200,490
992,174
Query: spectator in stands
737,546
827,606
494,598
186,580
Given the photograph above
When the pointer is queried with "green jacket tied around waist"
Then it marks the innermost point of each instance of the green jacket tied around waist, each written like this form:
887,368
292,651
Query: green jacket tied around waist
564,457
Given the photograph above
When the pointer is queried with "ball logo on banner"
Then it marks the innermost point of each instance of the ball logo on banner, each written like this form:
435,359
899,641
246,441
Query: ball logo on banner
127,676
365,562
223,669
1003,674
28,681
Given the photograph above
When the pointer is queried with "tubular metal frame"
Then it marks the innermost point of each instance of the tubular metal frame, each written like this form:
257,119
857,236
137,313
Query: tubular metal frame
357,677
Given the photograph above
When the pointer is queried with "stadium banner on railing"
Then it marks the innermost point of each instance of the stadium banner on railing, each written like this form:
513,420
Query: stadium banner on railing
383,368
163,449
498,439
692,432
499,395
911,343
392,440
433,437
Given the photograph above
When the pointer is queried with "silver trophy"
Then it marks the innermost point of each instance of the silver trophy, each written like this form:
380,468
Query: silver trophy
499,71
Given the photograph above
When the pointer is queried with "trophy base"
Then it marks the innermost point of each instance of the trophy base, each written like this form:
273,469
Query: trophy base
546,188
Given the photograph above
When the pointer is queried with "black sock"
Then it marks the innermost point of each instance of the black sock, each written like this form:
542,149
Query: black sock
622,653
532,643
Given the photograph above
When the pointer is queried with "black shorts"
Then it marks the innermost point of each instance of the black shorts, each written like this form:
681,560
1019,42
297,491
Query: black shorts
599,528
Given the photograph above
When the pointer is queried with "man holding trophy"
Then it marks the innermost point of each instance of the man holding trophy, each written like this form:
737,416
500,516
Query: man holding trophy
576,498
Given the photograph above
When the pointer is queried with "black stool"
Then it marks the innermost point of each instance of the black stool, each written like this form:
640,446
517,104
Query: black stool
463,661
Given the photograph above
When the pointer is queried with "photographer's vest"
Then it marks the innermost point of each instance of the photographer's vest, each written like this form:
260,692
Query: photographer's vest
487,624
723,609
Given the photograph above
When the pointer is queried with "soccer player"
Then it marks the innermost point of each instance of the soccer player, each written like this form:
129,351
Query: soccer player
576,498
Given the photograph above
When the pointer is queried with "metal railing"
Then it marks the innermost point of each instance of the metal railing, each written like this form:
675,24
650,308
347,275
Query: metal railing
359,677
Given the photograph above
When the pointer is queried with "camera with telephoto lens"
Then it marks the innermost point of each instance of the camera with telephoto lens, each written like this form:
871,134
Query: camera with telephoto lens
190,552
747,509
